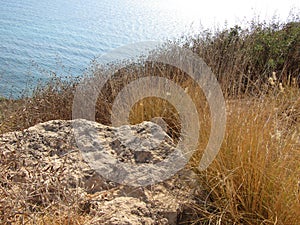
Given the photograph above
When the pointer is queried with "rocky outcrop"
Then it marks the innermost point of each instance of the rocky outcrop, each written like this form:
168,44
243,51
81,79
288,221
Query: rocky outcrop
50,163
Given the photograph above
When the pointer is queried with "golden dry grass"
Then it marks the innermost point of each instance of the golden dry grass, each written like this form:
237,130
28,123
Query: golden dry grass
253,180
255,177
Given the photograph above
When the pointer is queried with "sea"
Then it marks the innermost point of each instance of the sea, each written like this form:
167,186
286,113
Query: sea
42,38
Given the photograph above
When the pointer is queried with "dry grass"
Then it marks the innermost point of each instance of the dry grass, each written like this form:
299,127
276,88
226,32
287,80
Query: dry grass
254,179
35,194
51,101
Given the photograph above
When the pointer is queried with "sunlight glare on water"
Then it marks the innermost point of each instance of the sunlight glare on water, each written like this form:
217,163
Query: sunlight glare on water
37,37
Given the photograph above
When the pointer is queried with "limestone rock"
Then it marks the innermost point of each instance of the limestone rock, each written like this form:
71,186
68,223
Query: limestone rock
48,163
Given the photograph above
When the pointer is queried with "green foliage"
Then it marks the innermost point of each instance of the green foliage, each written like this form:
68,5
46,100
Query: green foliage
273,47
244,58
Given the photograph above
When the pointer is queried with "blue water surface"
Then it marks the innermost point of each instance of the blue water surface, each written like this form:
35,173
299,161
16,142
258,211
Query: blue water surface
64,36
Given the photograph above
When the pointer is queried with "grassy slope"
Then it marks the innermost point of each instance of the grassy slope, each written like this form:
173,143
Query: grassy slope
255,178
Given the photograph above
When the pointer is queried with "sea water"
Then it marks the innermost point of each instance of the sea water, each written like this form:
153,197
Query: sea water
41,37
